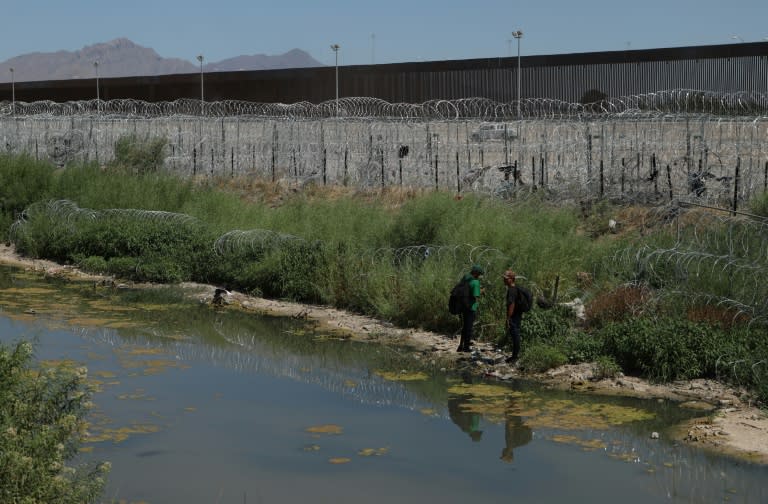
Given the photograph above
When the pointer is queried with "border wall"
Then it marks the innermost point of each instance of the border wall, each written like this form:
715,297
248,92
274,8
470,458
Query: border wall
573,78
717,160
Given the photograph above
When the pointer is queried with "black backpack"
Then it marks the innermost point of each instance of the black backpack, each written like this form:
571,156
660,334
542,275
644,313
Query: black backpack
460,299
524,301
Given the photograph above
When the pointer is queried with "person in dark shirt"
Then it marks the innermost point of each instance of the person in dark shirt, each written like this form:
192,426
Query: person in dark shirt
514,317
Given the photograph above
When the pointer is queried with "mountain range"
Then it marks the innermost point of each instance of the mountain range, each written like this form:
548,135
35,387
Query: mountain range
124,58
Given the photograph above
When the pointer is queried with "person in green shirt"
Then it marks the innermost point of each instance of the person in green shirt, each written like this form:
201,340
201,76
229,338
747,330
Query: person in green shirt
469,313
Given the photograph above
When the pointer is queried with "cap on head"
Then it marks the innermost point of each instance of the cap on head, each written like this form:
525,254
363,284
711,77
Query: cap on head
476,268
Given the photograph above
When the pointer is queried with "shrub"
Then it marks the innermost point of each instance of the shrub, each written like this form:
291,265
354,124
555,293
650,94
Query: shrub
618,304
41,427
759,205
139,155
716,315
540,357
596,217
93,264
22,182
605,367
123,267
581,346
547,325
663,349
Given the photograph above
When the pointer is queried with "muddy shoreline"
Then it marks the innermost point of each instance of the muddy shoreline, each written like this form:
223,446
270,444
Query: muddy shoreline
729,423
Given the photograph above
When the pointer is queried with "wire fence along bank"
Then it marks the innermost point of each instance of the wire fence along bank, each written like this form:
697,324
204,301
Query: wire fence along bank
709,147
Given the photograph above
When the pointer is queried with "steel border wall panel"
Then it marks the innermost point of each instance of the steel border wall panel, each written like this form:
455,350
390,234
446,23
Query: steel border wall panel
724,68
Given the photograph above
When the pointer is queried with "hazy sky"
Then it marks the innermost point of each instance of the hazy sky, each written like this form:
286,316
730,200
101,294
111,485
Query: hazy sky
403,30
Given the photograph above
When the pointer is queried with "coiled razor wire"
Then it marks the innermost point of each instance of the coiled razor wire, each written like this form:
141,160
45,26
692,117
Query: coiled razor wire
415,254
243,241
68,213
728,251
639,149
676,101
240,242
731,251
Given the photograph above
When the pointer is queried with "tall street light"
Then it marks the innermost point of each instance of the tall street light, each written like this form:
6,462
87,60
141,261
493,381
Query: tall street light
518,34
202,93
335,48
96,68
373,48
13,92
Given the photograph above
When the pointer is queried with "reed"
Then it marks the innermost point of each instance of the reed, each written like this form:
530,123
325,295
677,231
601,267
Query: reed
394,254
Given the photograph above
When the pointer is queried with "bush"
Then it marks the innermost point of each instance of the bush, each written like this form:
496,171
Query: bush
605,367
540,357
41,427
618,304
139,155
22,182
759,205
92,264
294,270
547,325
580,346
134,244
664,349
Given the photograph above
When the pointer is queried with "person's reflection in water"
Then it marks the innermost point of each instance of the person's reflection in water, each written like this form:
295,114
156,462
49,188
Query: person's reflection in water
467,421
516,433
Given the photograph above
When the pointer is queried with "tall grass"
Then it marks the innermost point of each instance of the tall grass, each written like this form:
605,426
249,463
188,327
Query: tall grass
22,182
395,255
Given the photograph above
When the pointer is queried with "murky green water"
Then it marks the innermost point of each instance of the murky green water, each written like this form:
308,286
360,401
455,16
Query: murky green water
204,406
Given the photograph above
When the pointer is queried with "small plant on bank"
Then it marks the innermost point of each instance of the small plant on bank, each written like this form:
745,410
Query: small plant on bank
663,349
540,357
41,428
605,367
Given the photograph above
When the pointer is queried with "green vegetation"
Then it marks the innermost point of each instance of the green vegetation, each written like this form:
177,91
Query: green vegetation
671,294
41,427
606,367
139,155
759,205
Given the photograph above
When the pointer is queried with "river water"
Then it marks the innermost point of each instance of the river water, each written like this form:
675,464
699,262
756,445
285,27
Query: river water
204,405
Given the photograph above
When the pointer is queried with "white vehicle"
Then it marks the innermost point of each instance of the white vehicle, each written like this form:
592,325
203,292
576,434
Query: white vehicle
493,131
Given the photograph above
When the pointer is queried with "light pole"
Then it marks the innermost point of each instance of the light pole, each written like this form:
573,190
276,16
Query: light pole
202,89
373,48
96,69
13,92
518,34
335,48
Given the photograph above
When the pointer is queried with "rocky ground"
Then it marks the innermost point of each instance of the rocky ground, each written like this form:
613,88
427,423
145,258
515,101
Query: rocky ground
730,422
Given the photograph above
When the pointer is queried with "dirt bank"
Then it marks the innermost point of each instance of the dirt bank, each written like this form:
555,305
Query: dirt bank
730,423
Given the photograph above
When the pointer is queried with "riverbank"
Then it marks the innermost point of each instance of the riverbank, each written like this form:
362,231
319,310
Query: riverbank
730,423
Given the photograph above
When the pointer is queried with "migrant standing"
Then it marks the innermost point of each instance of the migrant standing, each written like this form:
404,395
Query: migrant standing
469,312
514,316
